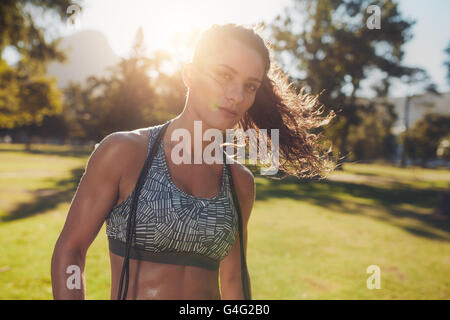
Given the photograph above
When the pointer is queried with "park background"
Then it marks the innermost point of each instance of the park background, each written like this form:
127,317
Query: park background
72,72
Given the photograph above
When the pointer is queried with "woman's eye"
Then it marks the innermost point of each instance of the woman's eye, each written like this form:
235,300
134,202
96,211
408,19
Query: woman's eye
252,87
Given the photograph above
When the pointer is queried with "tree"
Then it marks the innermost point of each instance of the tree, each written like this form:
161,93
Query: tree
418,81
423,139
447,63
26,93
443,150
372,138
333,51
124,100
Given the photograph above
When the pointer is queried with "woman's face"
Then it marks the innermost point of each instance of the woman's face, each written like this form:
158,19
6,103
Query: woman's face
227,80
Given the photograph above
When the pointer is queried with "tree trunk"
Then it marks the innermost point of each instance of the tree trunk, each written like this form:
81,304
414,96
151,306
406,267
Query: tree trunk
28,139
344,144
406,122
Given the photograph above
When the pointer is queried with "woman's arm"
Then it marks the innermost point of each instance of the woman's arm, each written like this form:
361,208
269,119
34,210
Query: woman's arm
96,194
230,266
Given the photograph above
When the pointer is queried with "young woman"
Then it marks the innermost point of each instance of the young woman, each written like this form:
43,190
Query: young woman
185,230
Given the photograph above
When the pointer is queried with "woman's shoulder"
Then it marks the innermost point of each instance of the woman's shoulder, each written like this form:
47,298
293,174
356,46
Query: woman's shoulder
121,152
238,167
244,183
128,141
121,141
243,179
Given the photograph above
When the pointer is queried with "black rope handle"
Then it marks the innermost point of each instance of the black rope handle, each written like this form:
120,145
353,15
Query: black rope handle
132,214
132,221
246,286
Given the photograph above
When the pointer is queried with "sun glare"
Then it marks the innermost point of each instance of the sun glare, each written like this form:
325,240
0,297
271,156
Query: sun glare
177,29
170,25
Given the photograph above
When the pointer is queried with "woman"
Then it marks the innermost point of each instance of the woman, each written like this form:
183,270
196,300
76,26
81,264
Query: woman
186,235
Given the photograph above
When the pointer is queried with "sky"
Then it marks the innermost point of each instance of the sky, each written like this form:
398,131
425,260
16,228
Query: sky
161,19
119,20
431,37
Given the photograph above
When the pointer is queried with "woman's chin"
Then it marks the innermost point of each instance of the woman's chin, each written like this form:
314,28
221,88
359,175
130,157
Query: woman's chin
217,122
223,124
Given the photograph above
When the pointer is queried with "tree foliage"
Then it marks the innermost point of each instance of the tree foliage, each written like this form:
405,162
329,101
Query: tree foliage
333,51
26,93
422,140
126,99
447,63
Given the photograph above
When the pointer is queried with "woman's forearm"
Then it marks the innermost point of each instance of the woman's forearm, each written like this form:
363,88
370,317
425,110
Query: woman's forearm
67,271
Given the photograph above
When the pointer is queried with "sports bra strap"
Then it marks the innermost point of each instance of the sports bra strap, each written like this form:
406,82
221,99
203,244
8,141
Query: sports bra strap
132,214
244,271
132,221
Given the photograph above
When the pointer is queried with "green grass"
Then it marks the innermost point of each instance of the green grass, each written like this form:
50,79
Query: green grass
307,239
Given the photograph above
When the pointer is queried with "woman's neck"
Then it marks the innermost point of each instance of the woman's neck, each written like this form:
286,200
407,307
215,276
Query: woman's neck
190,132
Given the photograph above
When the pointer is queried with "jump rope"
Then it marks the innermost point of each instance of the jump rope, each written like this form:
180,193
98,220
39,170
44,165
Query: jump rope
125,275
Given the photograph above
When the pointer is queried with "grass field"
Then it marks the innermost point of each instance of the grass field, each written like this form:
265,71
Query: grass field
307,239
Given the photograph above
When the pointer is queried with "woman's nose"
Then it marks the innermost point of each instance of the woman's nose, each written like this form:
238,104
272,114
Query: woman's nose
235,93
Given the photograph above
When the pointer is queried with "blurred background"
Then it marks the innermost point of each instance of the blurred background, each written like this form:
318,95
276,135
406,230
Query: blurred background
72,72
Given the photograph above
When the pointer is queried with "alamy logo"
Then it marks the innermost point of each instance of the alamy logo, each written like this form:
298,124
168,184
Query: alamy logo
73,20
374,20
74,280
374,281
258,149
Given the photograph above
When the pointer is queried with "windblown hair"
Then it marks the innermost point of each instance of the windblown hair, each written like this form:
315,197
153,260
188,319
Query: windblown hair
303,150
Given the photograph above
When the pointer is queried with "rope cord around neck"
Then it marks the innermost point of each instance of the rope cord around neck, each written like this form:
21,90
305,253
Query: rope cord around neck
132,221
246,287
132,215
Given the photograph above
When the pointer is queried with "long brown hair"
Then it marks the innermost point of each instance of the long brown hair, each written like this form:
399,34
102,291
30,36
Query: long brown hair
303,150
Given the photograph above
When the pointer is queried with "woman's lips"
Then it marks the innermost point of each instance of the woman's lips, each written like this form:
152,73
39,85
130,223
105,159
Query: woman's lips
227,112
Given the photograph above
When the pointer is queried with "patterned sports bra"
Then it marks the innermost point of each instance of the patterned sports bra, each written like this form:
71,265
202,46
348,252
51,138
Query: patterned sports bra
172,226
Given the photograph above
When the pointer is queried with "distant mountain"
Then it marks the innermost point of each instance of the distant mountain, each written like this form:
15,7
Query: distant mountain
89,53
